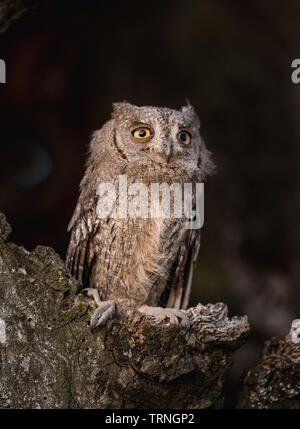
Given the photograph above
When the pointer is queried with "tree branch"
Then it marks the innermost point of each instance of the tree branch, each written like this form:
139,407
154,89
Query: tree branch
50,358
10,10
275,381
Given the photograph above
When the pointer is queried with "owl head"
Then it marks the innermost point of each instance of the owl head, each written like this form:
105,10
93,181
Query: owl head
162,135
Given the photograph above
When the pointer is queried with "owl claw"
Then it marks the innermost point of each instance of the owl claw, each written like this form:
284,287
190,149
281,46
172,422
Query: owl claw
94,293
105,311
176,317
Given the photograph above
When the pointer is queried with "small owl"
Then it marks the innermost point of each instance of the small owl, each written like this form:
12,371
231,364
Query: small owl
143,262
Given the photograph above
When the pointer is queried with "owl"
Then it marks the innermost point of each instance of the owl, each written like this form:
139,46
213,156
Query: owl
130,261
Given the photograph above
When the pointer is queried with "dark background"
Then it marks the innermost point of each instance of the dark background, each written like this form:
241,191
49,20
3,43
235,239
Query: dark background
68,61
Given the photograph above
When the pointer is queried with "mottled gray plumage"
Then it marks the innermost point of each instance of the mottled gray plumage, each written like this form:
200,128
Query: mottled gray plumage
138,262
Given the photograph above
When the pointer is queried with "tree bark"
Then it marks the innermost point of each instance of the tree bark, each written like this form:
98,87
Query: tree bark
51,359
275,381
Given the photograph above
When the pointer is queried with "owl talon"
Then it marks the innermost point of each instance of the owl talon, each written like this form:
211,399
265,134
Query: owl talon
94,293
175,316
105,311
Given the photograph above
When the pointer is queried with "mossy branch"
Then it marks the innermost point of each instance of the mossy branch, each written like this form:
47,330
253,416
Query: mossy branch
50,358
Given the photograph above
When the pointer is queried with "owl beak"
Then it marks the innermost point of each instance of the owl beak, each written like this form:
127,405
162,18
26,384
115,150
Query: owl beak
168,149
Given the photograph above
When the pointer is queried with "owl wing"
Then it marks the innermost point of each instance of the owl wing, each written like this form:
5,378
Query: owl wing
178,288
81,251
85,223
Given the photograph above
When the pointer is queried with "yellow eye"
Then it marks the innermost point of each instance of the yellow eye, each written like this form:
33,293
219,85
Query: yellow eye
141,133
184,137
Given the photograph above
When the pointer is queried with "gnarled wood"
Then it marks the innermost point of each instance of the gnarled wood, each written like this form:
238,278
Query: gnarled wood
50,358
275,381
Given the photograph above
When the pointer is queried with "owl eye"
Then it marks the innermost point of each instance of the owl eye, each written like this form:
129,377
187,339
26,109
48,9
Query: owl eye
184,137
141,133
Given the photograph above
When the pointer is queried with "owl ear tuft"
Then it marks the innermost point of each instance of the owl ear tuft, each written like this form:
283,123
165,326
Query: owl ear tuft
121,108
190,112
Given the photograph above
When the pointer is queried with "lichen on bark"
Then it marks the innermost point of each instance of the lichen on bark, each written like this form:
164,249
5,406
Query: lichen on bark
50,358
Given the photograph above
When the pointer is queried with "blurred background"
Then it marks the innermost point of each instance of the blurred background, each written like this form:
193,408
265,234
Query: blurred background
66,65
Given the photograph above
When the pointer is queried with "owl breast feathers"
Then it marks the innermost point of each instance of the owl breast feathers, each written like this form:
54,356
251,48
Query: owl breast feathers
135,260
